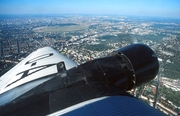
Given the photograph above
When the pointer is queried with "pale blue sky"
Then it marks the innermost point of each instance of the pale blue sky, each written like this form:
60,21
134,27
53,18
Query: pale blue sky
161,8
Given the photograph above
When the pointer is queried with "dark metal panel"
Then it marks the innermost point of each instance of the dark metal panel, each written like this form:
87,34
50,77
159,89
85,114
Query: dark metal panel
113,105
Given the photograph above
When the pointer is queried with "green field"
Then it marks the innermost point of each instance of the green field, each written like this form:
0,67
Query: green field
59,28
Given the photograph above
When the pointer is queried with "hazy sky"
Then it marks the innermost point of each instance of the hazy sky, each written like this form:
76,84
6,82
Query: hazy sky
162,8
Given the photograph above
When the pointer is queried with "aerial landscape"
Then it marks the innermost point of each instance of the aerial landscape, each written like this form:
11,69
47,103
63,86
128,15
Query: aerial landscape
85,36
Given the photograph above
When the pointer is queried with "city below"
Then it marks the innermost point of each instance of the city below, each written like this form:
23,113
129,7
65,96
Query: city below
86,37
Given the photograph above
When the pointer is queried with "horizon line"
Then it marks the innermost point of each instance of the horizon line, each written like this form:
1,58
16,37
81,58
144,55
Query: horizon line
80,14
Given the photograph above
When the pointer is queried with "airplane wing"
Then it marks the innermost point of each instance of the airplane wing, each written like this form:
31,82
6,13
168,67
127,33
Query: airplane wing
35,69
46,82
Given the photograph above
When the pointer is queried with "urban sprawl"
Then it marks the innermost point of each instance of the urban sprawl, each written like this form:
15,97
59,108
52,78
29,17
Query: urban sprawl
84,37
